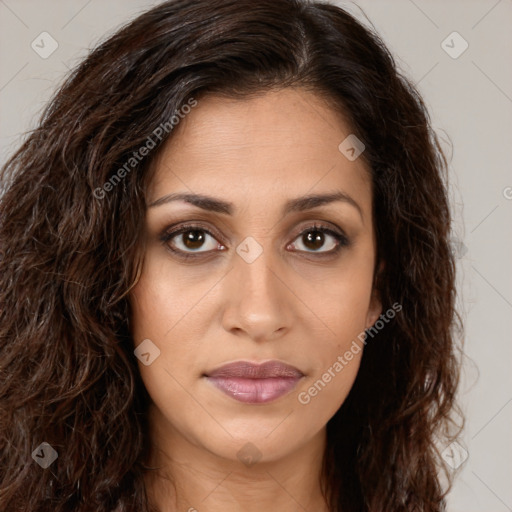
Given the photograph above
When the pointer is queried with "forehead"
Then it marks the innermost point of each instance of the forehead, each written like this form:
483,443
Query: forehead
281,143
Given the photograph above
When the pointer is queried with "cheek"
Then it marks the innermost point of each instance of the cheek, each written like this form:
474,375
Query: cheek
342,304
161,300
322,395
343,307
340,293
165,309
159,314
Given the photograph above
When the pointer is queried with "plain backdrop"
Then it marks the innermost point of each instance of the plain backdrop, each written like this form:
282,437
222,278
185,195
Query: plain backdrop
470,101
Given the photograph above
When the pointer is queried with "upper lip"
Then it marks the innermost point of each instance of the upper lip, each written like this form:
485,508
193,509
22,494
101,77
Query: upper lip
249,370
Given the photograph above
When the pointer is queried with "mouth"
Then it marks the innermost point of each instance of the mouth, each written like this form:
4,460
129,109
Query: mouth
255,383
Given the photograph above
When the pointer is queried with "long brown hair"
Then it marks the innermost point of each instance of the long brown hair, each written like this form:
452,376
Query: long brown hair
70,253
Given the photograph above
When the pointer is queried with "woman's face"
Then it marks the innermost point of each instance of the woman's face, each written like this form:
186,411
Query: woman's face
261,281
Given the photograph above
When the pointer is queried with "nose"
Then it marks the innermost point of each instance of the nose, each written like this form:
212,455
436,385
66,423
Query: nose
258,301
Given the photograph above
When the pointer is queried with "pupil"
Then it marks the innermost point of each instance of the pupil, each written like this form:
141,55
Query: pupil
311,240
193,239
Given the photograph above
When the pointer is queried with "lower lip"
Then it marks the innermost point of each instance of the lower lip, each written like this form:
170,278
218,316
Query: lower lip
255,391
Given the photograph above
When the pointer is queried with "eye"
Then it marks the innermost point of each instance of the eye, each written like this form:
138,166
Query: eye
189,239
315,237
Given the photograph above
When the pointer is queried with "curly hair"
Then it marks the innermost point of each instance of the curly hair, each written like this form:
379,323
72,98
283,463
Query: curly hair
69,258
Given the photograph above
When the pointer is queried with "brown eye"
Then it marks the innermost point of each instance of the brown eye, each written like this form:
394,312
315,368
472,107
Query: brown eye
313,240
317,237
191,239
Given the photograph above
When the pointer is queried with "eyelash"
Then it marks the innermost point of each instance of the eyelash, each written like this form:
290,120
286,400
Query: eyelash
167,236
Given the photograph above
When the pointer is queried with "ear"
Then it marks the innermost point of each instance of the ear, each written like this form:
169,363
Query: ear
375,307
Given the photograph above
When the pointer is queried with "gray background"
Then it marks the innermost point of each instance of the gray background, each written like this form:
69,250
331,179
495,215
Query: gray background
470,100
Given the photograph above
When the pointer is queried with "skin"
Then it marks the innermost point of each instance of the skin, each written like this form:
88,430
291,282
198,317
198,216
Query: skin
288,304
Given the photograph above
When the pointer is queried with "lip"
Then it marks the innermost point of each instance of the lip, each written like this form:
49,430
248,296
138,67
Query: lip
255,383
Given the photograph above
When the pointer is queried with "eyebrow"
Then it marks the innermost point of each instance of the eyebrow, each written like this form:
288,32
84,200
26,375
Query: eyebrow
292,205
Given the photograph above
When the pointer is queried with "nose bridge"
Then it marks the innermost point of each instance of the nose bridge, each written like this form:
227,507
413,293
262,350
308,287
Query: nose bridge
257,276
257,300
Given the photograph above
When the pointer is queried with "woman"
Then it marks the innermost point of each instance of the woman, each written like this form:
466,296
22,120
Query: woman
226,277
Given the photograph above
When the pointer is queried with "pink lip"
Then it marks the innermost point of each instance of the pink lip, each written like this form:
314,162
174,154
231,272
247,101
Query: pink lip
255,383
